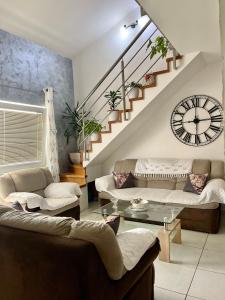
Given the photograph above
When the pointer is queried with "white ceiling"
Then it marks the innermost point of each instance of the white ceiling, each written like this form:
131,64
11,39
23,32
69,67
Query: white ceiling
66,26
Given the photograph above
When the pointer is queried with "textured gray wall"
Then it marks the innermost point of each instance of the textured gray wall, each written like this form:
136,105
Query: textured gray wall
25,69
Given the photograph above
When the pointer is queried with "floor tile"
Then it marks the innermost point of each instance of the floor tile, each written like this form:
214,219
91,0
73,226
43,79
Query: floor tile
161,294
213,261
182,255
216,242
193,238
173,277
208,285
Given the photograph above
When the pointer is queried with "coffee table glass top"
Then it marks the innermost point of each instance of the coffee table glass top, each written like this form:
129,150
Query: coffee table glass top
155,213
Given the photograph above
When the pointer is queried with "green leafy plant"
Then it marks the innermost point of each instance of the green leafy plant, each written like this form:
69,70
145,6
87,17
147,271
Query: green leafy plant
160,45
134,84
92,126
113,98
73,123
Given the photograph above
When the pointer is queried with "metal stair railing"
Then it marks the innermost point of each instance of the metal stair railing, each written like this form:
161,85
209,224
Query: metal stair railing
82,106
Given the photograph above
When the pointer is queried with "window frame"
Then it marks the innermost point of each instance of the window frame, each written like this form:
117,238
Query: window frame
23,107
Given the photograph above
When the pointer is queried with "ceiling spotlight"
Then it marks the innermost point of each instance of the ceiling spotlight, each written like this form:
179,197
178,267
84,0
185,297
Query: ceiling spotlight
132,25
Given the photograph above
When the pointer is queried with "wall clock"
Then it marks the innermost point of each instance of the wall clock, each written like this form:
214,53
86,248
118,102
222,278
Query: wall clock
197,120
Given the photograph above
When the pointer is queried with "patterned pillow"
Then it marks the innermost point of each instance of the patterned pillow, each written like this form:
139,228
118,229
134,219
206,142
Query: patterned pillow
113,222
16,205
123,180
195,183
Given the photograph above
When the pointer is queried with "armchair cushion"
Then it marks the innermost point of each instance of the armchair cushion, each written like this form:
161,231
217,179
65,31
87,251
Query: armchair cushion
105,183
133,245
32,199
56,203
62,190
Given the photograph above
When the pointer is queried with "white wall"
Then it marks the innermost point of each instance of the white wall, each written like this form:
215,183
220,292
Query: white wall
91,64
191,25
155,139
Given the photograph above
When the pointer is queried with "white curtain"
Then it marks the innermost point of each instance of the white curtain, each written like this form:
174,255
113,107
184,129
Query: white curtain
51,139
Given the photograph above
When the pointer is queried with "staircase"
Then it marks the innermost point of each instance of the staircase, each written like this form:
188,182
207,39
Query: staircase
76,174
168,74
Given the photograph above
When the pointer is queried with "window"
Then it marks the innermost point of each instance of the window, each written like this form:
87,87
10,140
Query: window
21,136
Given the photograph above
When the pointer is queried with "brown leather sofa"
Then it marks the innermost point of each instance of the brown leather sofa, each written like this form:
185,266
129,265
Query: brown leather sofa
41,266
205,217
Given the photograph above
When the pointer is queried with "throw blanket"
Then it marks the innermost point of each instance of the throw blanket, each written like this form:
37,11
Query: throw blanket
157,167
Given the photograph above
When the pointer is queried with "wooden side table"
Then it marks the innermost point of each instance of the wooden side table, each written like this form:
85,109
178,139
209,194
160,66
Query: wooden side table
168,234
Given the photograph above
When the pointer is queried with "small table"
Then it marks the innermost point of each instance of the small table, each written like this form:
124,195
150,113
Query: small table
155,213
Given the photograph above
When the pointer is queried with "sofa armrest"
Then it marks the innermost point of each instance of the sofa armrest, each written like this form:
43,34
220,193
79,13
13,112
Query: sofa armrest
105,183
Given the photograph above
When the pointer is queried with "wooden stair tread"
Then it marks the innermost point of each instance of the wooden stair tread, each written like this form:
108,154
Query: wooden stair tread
68,174
131,100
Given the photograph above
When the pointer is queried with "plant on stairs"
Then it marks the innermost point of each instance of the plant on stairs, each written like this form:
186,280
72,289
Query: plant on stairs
161,45
113,98
92,129
134,89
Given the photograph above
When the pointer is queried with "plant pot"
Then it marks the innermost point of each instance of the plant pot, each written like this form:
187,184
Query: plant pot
134,93
94,137
114,115
76,157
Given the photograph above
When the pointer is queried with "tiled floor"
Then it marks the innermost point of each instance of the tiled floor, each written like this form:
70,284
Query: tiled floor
197,270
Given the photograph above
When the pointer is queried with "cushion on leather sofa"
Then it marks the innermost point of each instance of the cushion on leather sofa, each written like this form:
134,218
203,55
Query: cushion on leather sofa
104,239
29,180
6,186
36,222
4,209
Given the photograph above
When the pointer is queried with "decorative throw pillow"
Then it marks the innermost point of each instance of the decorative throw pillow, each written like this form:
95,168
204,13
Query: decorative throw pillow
113,222
195,183
123,180
16,205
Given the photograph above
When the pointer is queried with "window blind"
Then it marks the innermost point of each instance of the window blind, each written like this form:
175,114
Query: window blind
21,137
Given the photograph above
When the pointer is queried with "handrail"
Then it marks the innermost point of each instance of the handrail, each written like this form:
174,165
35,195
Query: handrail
127,64
114,65
102,120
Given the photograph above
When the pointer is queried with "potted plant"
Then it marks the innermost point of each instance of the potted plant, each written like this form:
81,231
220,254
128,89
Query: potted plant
113,98
134,89
92,129
72,118
161,45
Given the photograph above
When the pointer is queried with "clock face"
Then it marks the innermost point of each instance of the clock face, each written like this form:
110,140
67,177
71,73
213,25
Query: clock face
197,120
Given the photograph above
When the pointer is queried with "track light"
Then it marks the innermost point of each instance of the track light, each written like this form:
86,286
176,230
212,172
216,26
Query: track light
132,25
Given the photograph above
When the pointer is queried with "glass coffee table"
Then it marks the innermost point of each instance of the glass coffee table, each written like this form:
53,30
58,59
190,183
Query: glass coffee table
155,213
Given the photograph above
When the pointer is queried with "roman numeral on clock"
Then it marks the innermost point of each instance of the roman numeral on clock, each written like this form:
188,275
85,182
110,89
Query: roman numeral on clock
195,102
217,118
187,137
214,108
179,113
206,102
197,139
186,105
180,131
207,137
214,128
177,122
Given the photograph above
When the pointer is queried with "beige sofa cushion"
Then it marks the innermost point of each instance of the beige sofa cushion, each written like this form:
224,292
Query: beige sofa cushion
201,166
29,180
125,166
161,183
4,209
36,222
6,186
217,169
104,239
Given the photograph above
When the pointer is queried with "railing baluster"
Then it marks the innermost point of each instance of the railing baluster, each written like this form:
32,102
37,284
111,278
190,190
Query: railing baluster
123,90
